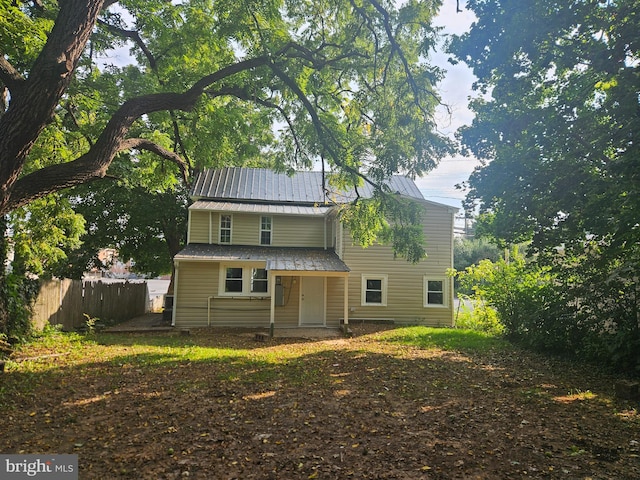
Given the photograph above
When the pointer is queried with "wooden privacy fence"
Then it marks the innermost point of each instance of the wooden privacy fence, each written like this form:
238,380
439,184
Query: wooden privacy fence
65,302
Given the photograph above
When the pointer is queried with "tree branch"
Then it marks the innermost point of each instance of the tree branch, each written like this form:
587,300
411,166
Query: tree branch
397,49
89,166
317,123
9,75
96,161
243,94
137,39
144,144
153,64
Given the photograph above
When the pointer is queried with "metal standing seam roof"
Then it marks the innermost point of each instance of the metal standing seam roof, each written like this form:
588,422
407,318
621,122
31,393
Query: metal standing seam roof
276,258
261,208
264,185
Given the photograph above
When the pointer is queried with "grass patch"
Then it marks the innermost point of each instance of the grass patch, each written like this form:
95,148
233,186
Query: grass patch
445,339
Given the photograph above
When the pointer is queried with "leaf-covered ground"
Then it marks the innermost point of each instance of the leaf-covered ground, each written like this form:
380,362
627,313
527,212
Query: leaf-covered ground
390,404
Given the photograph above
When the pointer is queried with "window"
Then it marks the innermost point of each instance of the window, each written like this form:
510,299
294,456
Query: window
225,228
265,230
233,282
374,290
258,280
243,280
434,292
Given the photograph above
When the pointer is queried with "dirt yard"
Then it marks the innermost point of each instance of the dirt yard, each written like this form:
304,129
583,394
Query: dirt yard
220,405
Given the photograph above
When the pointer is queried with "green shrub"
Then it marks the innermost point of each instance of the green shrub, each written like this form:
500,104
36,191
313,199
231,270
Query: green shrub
18,294
580,306
476,315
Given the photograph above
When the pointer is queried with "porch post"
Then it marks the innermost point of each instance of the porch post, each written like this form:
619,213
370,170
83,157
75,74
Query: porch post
272,314
346,304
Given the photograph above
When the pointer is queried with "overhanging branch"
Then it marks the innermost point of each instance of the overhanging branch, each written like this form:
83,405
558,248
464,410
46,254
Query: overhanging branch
96,161
144,144
132,35
319,126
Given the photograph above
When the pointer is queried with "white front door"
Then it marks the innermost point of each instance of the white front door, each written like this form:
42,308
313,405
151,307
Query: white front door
311,301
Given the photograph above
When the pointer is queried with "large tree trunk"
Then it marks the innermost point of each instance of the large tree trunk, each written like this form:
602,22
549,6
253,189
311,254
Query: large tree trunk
34,99
4,249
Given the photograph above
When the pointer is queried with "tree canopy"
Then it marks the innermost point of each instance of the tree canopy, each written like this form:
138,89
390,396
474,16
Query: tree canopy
348,82
557,127
557,124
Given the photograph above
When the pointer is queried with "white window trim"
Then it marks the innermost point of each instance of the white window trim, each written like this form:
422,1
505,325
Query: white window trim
247,270
260,230
363,289
220,229
445,292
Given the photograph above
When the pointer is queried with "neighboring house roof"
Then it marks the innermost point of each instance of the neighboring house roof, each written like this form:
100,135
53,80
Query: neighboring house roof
264,185
261,208
277,258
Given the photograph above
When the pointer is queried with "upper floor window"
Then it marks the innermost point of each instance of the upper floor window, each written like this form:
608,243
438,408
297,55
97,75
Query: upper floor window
435,292
265,230
374,290
225,228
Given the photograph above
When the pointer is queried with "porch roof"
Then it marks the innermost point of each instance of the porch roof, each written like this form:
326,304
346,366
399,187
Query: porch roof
285,259
262,208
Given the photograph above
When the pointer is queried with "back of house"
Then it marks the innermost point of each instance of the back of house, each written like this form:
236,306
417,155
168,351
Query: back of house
265,249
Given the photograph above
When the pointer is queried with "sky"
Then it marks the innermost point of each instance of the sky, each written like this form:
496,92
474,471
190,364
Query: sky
439,184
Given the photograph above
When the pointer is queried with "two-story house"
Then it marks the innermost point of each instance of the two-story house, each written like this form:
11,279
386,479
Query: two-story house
266,249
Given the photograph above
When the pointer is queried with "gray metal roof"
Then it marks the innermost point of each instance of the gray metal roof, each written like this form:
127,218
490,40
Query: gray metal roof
261,208
264,185
276,258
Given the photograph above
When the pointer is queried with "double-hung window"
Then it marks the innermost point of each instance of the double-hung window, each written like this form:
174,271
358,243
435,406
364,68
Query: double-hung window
374,290
233,280
435,292
258,280
265,230
243,280
225,228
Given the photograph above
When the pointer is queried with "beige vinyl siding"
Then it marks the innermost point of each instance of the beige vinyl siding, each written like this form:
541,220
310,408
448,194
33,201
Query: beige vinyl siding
405,281
197,281
335,301
199,227
298,231
244,229
287,230
244,312
287,316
